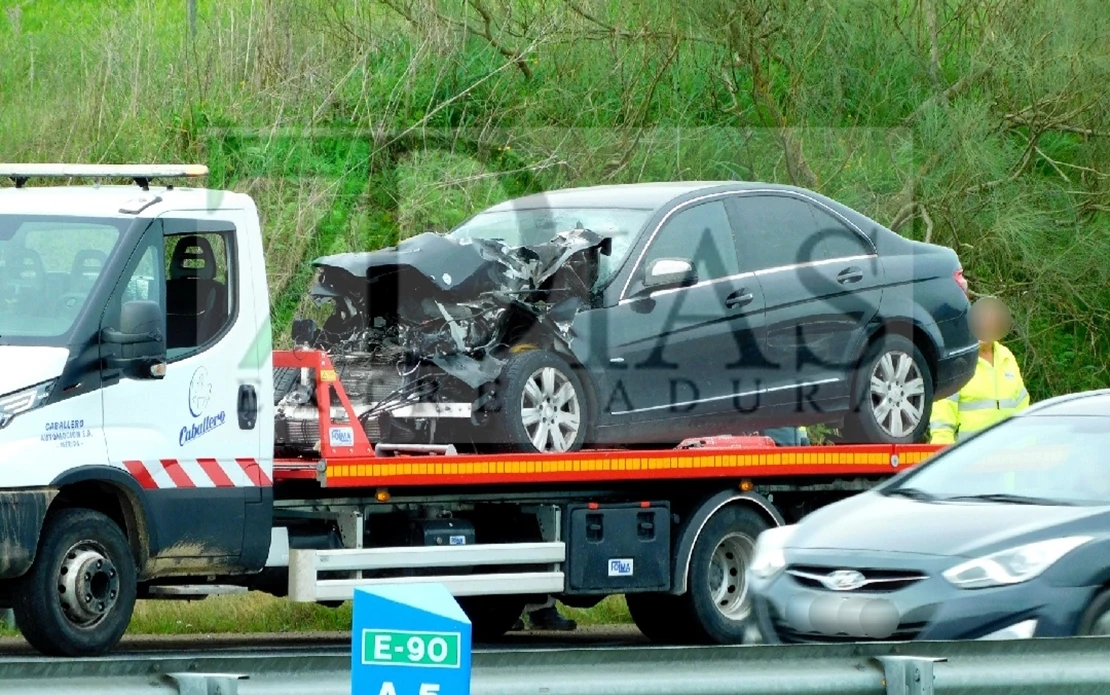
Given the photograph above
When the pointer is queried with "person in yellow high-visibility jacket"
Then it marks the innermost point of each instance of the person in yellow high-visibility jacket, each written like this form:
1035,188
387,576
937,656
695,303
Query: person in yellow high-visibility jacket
995,392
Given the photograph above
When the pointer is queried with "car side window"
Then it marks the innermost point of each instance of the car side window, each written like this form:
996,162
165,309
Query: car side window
775,231
700,234
200,301
837,240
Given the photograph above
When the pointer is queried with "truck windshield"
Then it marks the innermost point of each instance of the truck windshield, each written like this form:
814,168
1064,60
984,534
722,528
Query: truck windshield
1048,459
540,225
48,267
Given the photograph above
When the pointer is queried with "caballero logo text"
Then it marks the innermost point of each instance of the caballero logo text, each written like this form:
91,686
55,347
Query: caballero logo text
200,395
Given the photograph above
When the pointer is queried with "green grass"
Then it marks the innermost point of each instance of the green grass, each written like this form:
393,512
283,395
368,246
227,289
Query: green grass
355,125
261,613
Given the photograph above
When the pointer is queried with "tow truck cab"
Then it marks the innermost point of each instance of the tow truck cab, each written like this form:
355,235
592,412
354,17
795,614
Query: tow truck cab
136,385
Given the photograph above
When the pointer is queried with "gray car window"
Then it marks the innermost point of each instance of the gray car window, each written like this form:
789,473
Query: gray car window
776,231
700,234
837,240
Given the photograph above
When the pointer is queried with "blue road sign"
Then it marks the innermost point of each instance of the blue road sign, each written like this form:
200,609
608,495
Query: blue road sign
409,639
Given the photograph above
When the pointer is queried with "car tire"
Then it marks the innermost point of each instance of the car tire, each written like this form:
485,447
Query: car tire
662,618
82,554
1095,621
901,415
491,616
540,384
717,600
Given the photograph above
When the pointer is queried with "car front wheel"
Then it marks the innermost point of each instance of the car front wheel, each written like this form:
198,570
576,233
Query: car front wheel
893,394
543,404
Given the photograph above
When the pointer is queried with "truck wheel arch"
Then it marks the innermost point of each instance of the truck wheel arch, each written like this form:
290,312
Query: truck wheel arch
691,530
113,493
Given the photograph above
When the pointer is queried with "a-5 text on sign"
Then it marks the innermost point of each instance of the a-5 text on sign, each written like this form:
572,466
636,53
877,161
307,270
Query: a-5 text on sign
409,640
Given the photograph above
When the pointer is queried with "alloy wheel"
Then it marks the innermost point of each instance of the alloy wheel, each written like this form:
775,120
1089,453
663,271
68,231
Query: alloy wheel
550,410
897,394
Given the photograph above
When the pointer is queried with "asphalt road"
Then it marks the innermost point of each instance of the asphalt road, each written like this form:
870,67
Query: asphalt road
584,636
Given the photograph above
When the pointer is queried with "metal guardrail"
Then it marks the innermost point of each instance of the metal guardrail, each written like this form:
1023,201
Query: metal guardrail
1072,666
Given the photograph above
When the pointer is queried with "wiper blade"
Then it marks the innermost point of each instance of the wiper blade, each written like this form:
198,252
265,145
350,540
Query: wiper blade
1008,498
910,492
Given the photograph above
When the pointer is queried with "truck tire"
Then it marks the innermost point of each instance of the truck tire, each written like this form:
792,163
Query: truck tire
491,616
662,618
543,405
892,394
717,599
78,596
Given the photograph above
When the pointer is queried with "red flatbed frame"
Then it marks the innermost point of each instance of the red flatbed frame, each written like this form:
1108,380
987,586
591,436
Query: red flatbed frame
358,466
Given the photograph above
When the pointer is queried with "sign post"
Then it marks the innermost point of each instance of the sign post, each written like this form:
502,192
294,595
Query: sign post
409,639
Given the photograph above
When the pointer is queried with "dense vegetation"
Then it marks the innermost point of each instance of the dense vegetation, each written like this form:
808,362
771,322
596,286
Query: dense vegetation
980,124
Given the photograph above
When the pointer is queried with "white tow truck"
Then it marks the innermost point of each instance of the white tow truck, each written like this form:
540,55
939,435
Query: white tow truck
137,450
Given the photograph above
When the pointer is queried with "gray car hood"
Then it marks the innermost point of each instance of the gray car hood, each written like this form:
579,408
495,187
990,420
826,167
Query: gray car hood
877,523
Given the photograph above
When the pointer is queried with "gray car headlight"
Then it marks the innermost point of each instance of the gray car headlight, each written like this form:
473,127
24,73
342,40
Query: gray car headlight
17,402
768,558
1012,566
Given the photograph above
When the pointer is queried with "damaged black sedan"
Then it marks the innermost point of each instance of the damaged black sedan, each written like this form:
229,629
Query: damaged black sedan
645,314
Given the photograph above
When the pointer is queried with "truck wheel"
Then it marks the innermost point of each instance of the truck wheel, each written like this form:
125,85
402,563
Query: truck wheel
491,616
78,596
717,592
662,618
892,395
543,404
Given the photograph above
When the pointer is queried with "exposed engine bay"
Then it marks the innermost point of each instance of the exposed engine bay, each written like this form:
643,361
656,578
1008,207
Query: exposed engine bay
420,331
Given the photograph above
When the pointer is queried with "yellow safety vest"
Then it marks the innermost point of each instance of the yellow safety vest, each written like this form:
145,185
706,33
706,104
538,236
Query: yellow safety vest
994,393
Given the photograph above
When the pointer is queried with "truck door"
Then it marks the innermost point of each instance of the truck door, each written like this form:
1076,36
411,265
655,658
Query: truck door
190,439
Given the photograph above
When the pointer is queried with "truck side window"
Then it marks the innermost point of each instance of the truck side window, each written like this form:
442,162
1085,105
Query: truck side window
199,300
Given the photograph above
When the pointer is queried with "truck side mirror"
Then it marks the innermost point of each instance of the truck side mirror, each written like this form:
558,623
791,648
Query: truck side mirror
141,340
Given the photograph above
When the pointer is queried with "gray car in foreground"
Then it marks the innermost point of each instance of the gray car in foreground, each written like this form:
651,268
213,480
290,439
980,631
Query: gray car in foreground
645,314
1004,536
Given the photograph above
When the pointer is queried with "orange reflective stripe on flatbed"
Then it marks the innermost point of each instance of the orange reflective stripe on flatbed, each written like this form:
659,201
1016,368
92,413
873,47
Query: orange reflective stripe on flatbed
616,466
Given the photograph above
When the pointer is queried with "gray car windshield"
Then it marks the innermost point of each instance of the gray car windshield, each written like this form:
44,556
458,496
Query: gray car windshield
48,267
1033,459
540,225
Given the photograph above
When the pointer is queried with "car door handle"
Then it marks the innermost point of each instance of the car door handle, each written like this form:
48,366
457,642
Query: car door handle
248,407
849,275
739,298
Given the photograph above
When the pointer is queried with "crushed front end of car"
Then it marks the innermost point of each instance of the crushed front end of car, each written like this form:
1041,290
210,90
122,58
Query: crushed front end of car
420,332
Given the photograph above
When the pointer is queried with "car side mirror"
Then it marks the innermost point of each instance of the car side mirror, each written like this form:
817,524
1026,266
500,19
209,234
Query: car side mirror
669,272
141,339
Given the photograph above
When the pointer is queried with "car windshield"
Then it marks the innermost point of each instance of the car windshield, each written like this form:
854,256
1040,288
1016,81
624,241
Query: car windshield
540,225
48,267
1033,459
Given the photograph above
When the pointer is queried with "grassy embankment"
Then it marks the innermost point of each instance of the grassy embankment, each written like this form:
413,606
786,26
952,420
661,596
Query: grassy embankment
979,124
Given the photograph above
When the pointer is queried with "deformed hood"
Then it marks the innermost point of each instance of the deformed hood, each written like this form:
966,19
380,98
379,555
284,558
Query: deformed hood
459,268
430,258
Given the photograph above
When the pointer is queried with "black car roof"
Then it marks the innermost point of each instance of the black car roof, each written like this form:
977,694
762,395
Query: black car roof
645,196
1095,402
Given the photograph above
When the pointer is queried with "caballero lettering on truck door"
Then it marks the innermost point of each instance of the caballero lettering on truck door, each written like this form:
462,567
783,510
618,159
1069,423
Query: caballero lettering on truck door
200,395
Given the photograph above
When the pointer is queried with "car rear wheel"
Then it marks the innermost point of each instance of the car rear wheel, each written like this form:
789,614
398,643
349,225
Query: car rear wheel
543,404
893,394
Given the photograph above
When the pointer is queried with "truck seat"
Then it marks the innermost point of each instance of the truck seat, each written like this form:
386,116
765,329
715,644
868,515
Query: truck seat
196,303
